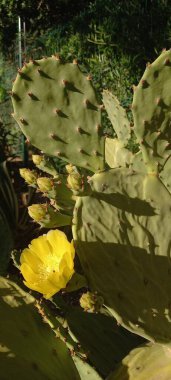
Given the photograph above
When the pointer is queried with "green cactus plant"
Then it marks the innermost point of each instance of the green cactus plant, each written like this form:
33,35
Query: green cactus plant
121,226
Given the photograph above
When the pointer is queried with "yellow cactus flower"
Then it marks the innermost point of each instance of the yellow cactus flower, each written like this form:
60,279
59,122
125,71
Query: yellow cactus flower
30,176
48,263
37,159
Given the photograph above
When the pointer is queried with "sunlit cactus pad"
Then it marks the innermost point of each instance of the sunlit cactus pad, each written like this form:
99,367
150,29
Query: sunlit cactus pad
152,112
56,107
151,361
122,235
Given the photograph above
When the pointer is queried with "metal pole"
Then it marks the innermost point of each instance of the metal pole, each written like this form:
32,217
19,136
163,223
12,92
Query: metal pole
23,139
19,43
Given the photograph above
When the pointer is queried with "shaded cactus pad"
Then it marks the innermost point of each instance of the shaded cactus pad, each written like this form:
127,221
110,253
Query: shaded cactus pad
122,236
28,347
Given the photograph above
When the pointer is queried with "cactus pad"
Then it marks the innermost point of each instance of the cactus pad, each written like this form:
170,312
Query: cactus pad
151,361
152,109
28,347
122,235
117,116
56,107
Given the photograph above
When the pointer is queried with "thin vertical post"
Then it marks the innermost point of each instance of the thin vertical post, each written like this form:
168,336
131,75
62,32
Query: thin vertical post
19,43
20,63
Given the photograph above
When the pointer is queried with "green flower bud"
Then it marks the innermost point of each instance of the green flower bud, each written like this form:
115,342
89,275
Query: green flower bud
74,181
45,184
70,168
37,159
30,176
91,302
37,212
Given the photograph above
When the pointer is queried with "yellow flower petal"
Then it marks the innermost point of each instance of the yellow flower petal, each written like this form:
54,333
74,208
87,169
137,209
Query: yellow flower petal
41,248
48,263
28,257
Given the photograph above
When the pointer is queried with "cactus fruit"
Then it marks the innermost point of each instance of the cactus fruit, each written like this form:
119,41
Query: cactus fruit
56,107
28,347
150,361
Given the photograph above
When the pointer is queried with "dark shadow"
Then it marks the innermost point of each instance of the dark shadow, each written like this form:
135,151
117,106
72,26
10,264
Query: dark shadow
70,87
28,344
91,106
57,138
25,76
43,74
99,335
62,114
125,203
83,131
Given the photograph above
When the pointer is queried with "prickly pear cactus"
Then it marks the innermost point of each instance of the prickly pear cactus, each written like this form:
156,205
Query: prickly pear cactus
150,361
28,347
56,107
122,230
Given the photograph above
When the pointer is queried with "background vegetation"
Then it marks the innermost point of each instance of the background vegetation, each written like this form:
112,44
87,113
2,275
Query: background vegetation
113,40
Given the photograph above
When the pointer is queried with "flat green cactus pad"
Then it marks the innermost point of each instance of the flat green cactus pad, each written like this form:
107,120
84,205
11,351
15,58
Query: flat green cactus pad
28,347
152,112
117,116
56,107
122,236
151,361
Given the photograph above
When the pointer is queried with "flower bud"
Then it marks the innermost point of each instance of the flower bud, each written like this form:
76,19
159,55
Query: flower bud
70,168
91,302
45,184
37,212
74,181
30,176
37,159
